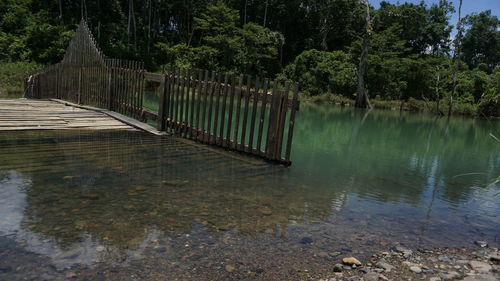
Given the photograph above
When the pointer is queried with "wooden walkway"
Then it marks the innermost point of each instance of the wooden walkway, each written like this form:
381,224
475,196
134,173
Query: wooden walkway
26,114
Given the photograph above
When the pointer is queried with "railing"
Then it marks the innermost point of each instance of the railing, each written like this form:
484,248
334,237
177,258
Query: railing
241,113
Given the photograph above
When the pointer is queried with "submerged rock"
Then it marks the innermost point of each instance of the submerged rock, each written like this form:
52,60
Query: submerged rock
306,240
175,182
482,244
337,267
91,196
416,269
230,268
351,261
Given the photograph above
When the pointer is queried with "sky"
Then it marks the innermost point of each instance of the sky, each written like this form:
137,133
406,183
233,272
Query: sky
468,6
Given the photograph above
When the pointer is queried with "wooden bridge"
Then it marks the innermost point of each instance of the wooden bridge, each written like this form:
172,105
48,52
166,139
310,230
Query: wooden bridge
236,112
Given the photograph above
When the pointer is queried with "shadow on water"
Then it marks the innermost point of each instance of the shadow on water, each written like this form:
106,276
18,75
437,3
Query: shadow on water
360,180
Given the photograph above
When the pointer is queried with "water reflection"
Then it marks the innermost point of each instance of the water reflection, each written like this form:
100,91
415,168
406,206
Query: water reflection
359,180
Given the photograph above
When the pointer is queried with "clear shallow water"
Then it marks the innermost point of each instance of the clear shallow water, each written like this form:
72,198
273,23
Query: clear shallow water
122,203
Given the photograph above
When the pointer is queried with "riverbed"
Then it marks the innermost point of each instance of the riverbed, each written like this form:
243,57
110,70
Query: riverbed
131,205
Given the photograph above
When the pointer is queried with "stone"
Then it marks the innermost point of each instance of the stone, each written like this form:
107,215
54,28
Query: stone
306,240
480,266
435,279
450,275
266,211
71,275
482,244
140,188
100,248
406,252
384,265
91,196
230,268
175,182
365,269
482,277
495,258
323,254
337,267
351,261
416,269
382,277
372,276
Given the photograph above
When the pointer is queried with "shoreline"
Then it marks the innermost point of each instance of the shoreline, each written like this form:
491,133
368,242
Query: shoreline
412,105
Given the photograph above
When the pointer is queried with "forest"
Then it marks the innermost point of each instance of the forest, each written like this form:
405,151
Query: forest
411,58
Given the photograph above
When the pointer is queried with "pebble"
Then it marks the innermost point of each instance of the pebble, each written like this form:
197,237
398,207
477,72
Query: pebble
495,258
450,275
337,267
100,248
306,240
384,265
372,276
406,252
351,261
482,244
92,196
482,277
435,279
323,254
480,266
230,268
416,269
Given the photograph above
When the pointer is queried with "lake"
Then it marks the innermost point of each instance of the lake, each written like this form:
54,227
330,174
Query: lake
119,205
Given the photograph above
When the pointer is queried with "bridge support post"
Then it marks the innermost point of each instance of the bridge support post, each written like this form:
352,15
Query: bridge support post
162,109
79,85
109,90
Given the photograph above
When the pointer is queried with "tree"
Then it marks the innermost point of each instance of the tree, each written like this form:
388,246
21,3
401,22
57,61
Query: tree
456,57
323,72
481,42
362,100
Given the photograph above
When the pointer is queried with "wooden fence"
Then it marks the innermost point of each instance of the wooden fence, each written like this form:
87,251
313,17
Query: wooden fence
241,113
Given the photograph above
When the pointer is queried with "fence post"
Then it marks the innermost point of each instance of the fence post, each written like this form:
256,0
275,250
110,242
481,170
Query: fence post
109,90
79,85
161,110
274,117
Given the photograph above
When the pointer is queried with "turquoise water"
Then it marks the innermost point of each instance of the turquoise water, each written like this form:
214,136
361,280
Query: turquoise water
115,204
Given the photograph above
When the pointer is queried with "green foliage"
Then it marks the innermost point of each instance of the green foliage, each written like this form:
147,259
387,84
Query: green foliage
11,75
489,104
225,47
323,72
315,42
481,43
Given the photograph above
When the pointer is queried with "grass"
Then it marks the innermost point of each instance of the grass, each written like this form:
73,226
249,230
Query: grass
410,105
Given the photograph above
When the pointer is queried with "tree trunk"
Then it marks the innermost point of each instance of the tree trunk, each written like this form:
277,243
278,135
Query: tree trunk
456,57
61,12
131,28
438,99
362,100
265,15
323,31
245,18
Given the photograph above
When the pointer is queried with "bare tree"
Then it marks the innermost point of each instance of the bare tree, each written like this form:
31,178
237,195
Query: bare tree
131,28
265,14
456,57
438,81
61,12
362,100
